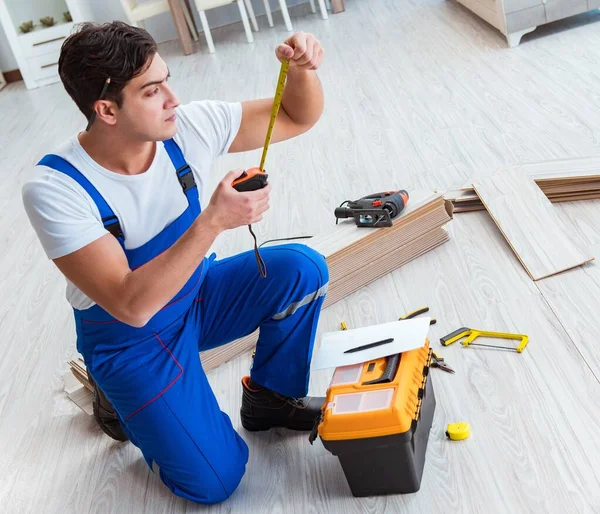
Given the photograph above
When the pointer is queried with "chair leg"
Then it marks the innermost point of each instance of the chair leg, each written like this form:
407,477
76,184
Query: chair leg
312,6
250,10
207,34
245,21
268,12
188,19
286,15
323,8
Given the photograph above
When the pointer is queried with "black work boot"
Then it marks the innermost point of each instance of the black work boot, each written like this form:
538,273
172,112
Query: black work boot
263,409
105,415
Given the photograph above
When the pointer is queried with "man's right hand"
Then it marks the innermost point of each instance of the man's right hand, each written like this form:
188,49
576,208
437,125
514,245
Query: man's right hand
229,208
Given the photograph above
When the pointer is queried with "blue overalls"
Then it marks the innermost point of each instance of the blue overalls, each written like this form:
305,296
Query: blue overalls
153,375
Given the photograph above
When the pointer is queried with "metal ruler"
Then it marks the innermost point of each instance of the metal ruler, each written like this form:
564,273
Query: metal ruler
285,64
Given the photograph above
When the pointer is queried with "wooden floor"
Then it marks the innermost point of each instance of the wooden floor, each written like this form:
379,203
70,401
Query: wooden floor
420,95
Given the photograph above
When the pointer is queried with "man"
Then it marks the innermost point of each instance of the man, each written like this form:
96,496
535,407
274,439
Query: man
117,208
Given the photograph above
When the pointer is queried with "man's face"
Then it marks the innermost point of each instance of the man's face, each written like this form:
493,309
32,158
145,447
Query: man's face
148,109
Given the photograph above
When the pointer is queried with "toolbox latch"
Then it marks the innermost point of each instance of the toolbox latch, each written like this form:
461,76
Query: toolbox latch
315,429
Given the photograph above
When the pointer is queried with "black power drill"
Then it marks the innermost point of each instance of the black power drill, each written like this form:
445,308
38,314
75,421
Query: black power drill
375,210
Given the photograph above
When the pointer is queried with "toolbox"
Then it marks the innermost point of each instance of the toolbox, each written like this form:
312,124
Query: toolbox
376,419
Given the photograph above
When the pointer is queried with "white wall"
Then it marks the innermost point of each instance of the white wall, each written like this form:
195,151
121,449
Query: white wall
161,27
7,61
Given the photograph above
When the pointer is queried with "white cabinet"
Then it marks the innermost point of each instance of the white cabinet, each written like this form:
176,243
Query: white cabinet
37,51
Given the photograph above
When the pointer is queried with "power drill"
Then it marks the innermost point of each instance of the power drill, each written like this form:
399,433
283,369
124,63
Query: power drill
375,210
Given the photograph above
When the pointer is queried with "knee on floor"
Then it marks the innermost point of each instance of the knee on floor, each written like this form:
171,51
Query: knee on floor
194,483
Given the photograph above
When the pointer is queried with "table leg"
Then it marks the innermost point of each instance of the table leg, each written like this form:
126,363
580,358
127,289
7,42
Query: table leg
337,6
182,29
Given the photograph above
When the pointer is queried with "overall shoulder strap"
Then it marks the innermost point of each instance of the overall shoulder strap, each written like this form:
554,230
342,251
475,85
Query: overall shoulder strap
184,172
110,221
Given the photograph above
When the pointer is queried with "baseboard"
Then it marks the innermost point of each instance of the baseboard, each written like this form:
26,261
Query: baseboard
12,76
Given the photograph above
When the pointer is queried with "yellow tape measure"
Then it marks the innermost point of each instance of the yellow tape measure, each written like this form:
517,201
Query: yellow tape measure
285,64
458,431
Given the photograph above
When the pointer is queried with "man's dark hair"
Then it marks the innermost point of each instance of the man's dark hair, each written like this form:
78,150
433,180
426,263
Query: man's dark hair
96,52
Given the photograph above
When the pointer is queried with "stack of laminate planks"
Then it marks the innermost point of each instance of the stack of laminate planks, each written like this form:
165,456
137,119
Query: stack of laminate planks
80,372
77,386
355,257
563,180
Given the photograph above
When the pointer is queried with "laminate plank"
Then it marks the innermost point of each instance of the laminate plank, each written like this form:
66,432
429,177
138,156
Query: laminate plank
470,202
528,222
568,170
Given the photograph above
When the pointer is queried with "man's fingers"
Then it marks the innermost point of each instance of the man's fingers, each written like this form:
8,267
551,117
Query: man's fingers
259,194
303,50
307,56
298,43
263,204
316,60
232,176
284,51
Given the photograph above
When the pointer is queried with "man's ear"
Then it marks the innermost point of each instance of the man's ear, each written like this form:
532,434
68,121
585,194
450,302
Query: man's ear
106,111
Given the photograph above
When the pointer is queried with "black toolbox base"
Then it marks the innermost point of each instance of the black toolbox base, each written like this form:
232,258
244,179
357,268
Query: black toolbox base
390,464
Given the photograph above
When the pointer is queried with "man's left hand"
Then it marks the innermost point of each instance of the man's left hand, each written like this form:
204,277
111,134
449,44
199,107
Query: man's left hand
303,50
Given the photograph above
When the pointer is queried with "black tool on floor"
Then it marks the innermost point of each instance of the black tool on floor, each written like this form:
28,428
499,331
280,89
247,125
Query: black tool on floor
377,210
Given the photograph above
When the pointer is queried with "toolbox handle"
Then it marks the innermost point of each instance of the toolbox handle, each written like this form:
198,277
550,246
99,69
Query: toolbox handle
388,375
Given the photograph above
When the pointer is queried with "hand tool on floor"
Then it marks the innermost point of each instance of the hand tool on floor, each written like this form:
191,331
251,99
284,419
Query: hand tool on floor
376,210
256,178
416,313
472,334
458,431
438,362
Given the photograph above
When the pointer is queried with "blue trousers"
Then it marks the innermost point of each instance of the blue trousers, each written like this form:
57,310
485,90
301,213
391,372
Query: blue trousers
159,389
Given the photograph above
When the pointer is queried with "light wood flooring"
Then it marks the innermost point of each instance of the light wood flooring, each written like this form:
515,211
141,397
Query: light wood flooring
420,94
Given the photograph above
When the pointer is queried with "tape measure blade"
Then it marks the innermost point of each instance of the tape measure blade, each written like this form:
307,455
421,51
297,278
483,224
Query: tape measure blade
285,64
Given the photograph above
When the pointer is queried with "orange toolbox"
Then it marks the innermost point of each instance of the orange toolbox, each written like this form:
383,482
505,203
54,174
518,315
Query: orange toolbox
376,419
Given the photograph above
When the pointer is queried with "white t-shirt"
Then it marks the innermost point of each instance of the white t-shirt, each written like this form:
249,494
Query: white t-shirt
65,217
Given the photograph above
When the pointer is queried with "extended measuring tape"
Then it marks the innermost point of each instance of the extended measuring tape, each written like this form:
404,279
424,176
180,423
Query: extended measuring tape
256,178
285,65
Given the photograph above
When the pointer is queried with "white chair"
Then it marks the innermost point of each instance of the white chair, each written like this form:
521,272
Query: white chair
205,5
138,12
286,14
